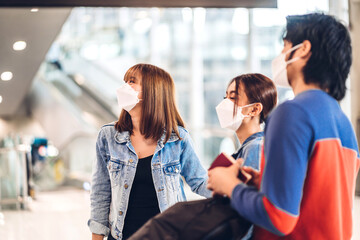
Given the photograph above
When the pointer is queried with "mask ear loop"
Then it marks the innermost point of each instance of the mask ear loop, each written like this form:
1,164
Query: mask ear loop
249,106
292,51
240,109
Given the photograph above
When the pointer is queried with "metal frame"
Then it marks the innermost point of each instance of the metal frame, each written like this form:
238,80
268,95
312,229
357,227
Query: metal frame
142,3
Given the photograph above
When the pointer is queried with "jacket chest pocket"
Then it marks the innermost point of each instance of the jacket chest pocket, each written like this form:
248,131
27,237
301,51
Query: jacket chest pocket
116,169
172,175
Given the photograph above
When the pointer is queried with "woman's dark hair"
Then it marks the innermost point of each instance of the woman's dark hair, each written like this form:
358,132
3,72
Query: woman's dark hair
159,112
330,60
258,89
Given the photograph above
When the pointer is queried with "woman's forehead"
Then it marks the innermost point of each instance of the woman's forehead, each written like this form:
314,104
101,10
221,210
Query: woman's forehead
231,87
132,74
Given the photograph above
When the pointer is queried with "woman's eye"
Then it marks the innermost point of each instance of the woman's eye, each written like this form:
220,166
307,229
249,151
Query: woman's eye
231,98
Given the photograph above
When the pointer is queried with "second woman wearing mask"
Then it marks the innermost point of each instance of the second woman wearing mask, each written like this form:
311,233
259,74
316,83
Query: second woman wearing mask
248,101
142,158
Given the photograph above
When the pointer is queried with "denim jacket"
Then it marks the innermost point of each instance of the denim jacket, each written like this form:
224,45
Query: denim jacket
250,150
114,171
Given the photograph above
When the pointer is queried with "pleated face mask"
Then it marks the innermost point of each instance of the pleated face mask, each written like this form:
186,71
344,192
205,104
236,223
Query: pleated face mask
226,117
127,97
278,67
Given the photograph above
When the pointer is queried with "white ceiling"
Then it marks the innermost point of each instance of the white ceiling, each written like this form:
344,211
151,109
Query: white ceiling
39,30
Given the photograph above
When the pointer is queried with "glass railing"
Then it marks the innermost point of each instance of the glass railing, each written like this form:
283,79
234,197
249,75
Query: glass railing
13,177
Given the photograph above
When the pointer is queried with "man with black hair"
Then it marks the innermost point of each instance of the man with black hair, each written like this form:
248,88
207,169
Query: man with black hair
310,158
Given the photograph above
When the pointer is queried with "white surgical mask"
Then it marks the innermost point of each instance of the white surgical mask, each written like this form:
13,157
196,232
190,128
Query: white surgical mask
278,67
226,117
127,97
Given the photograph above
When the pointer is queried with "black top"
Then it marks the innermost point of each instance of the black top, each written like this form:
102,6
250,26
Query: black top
143,203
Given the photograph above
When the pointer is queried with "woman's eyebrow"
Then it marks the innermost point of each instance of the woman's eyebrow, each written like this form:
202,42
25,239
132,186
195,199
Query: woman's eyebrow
130,78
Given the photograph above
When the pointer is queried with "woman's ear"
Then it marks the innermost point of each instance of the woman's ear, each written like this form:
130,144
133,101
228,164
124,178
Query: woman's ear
256,109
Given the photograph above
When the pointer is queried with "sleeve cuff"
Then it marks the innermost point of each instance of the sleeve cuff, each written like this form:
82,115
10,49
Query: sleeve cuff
98,228
238,187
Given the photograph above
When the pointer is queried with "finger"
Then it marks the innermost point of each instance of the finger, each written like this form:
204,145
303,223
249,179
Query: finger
240,161
251,171
235,168
248,169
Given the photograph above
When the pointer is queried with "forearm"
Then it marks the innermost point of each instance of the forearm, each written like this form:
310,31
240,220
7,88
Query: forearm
97,237
202,190
255,206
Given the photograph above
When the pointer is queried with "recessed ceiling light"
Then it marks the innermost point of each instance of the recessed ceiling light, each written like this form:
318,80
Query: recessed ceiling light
6,76
0,99
19,45
34,10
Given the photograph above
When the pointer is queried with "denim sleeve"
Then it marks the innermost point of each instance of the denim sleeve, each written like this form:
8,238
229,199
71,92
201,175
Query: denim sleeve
194,173
252,154
100,195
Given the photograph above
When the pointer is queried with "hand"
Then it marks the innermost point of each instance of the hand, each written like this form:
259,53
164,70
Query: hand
255,177
222,180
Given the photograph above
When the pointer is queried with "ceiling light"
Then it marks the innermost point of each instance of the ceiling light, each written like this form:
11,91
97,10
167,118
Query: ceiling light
0,99
34,10
19,45
6,76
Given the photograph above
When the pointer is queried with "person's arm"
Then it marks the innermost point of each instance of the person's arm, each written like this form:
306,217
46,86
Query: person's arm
100,195
194,173
97,237
276,207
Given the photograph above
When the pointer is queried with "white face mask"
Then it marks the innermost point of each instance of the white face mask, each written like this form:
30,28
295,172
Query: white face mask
226,117
127,97
278,67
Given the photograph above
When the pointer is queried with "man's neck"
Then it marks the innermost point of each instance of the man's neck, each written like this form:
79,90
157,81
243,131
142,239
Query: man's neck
299,86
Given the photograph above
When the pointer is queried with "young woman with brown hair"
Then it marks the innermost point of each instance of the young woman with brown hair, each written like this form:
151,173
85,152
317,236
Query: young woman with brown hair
142,158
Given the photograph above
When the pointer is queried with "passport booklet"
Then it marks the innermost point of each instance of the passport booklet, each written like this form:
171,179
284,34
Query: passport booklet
225,160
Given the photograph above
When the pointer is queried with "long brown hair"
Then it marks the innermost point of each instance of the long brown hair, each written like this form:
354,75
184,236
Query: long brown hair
159,112
258,89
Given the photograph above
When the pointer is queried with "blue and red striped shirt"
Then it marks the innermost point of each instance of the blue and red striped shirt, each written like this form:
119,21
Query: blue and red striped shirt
309,166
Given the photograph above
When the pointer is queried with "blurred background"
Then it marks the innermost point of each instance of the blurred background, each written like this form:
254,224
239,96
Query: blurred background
60,65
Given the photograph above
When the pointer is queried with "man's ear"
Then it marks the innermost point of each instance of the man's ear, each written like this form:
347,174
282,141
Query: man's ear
305,49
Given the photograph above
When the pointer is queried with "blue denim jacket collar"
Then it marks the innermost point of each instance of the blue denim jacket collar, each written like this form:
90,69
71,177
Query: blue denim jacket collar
123,137
253,136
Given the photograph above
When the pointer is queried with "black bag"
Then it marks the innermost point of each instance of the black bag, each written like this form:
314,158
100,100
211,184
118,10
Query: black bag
208,219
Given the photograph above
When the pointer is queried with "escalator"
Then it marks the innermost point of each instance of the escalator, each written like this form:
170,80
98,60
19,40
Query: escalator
71,109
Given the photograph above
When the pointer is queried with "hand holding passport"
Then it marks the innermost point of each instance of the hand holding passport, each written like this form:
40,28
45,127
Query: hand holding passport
224,160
